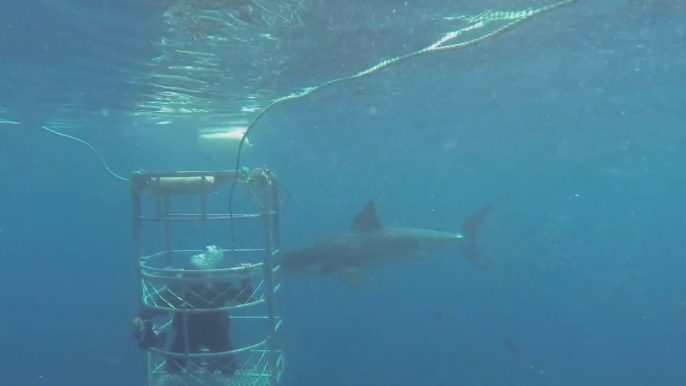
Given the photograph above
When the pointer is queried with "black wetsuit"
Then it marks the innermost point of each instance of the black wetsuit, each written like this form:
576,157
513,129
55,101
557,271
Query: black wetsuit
205,329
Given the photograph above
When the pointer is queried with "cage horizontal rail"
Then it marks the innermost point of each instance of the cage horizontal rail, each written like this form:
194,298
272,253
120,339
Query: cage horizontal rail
201,217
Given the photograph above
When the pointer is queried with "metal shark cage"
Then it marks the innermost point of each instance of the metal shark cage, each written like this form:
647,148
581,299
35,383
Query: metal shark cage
191,208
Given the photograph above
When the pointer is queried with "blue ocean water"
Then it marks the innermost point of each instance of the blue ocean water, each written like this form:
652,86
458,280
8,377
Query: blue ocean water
572,124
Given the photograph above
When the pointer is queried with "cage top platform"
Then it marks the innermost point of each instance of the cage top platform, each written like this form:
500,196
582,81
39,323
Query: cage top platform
195,182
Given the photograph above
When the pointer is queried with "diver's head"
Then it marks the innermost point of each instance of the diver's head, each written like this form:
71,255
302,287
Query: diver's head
210,259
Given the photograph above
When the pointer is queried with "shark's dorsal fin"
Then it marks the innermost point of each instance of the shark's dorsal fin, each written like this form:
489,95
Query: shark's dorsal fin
366,220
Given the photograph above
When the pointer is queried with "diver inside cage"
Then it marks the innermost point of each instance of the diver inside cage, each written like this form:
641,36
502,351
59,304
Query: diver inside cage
208,330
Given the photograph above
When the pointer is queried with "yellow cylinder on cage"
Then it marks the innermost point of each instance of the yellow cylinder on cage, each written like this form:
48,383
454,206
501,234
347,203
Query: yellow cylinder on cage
178,186
222,142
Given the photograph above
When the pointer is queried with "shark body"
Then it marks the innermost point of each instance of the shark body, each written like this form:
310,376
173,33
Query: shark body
370,244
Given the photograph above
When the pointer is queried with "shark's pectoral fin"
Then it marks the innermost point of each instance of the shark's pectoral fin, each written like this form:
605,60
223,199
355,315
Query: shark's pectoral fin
349,275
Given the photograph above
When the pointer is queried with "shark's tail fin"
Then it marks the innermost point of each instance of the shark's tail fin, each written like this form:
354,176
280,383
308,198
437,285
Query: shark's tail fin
470,229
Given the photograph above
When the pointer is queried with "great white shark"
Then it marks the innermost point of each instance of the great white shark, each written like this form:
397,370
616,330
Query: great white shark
369,244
